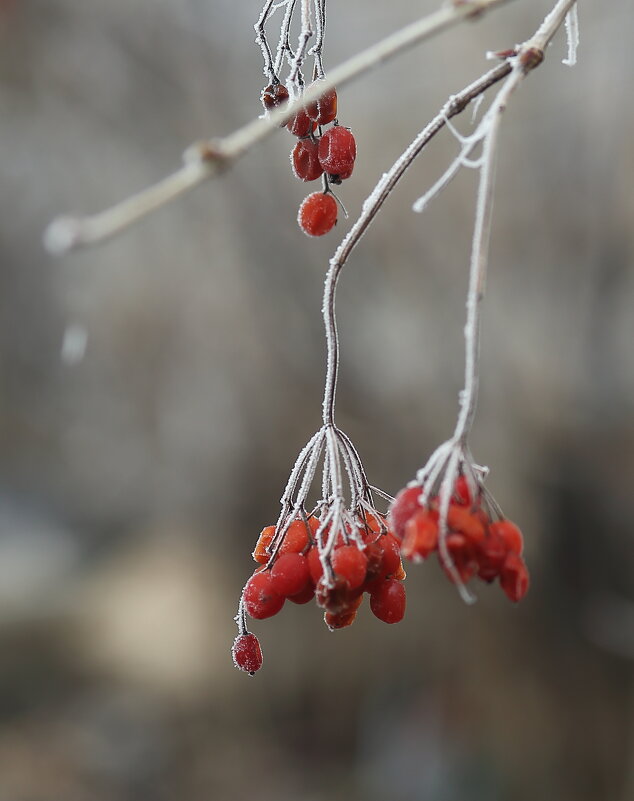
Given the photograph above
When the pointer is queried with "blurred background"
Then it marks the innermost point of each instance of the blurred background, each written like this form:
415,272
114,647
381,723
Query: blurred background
155,391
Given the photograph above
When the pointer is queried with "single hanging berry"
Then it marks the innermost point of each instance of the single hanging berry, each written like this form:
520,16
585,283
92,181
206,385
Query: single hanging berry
317,214
305,161
337,151
246,652
274,95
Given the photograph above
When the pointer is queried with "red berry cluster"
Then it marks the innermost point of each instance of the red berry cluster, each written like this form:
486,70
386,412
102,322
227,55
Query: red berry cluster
298,570
318,153
477,544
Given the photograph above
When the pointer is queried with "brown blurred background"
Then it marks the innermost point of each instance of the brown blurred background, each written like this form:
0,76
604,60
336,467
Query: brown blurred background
135,480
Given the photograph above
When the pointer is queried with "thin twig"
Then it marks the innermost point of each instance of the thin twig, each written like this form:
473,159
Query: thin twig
207,159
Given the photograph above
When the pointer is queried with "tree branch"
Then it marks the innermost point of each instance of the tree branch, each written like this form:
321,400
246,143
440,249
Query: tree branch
207,159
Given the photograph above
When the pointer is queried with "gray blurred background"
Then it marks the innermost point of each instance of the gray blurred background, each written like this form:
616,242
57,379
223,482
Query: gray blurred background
135,480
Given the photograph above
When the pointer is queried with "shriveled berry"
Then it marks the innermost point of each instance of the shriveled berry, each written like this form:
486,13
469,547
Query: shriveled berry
511,535
260,599
406,503
337,151
340,620
337,598
304,159
274,95
421,535
324,109
289,574
246,653
301,124
387,601
317,214
514,578
260,553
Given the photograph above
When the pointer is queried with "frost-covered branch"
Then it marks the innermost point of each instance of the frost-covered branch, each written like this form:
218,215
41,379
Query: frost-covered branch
207,159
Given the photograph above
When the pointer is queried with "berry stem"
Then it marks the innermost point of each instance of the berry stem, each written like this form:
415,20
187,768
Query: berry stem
260,39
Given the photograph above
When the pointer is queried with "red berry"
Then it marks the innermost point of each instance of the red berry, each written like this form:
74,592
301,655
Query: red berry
406,503
295,538
315,567
463,556
462,495
351,564
514,578
387,601
337,151
491,554
462,521
421,535
289,574
511,535
391,554
317,214
303,597
260,554
246,653
260,599
304,159
339,621
324,109
338,598
274,95
301,124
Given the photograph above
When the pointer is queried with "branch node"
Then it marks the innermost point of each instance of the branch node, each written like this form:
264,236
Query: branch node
208,152
530,58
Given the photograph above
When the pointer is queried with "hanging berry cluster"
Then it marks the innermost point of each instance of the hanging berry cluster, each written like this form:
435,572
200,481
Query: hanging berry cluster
479,542
336,550
327,154
332,555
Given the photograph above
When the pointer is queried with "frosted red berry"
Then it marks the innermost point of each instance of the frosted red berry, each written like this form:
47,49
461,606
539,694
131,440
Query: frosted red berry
295,538
337,151
289,574
260,598
260,553
246,652
317,214
274,95
304,159
301,124
324,109
387,601
349,563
